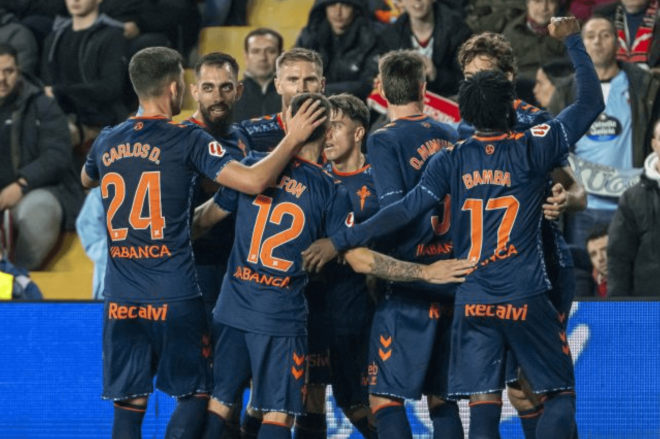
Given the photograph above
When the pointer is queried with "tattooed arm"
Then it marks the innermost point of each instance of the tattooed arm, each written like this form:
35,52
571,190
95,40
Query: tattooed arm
366,261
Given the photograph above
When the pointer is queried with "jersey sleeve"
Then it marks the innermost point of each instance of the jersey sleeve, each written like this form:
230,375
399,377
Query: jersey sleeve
91,163
227,199
205,154
549,145
387,174
339,215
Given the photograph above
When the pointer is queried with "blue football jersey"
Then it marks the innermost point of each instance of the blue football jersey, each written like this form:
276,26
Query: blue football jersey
263,289
497,187
265,132
215,246
147,168
399,153
347,296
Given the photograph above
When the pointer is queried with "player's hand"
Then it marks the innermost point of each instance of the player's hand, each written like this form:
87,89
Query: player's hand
448,271
309,116
556,204
318,254
561,27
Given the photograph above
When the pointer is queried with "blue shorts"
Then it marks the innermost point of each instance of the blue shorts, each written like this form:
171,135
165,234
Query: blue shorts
529,327
348,360
409,348
275,364
167,339
561,296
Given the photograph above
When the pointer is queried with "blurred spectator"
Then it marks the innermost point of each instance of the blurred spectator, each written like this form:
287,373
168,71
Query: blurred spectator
637,25
170,23
618,140
37,15
584,9
38,183
436,31
597,250
91,228
262,47
15,283
547,77
225,13
634,246
531,43
84,68
342,33
493,15
19,37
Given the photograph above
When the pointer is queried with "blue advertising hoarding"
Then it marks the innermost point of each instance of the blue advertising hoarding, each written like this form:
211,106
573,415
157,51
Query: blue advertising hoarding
51,375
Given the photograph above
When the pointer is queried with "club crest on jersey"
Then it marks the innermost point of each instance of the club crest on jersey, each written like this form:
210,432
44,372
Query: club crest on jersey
490,149
138,126
215,149
350,220
540,130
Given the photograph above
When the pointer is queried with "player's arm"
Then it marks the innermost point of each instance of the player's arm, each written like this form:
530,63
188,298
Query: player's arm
366,261
87,181
578,117
206,216
567,194
256,178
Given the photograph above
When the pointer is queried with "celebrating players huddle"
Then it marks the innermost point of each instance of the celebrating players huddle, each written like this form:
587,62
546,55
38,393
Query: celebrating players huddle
470,299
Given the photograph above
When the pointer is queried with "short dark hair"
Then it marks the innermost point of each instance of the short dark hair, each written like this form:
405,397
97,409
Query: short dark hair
486,101
216,59
299,54
262,31
6,49
597,231
297,102
151,69
402,73
351,107
491,45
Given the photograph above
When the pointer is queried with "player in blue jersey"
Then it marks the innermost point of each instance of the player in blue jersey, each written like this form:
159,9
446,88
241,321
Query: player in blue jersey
410,336
347,308
491,51
216,91
259,322
297,71
146,167
496,182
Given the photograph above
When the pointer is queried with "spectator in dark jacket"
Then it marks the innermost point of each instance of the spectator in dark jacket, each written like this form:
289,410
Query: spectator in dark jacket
38,183
260,97
342,33
84,67
436,32
634,244
12,32
15,283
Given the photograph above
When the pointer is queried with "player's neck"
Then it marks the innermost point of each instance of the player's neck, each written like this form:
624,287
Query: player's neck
353,163
405,110
156,107
312,150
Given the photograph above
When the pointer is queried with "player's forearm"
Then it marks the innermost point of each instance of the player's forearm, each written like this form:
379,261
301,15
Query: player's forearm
366,261
576,196
579,116
264,173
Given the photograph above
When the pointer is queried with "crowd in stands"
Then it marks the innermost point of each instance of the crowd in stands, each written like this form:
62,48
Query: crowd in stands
63,77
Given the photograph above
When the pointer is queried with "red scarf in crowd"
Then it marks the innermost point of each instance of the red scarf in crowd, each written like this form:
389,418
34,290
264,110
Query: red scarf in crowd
637,50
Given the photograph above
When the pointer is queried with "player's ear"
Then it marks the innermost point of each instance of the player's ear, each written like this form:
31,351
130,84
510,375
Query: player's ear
359,134
194,92
379,87
239,90
422,89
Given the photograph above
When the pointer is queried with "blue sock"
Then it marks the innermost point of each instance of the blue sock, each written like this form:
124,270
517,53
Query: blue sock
310,426
270,430
215,424
485,420
188,419
446,421
362,425
127,423
558,418
392,422
529,420
250,427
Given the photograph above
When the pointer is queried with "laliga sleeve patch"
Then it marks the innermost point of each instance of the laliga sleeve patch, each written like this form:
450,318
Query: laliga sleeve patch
215,149
350,220
540,130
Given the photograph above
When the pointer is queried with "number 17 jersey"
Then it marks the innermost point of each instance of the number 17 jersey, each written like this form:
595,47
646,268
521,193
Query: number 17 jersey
147,168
